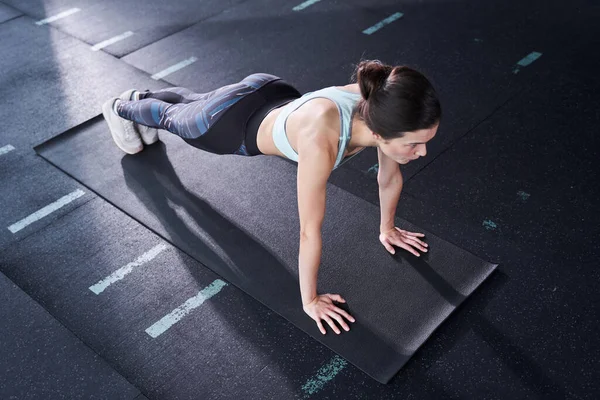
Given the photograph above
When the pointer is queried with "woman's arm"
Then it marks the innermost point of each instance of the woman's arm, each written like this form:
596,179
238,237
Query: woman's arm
315,162
390,183
389,194
316,158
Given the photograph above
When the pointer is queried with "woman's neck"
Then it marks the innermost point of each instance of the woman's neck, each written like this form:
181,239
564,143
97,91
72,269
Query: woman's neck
361,134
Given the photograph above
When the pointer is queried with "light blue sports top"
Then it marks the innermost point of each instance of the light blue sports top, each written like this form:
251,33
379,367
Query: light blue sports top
345,102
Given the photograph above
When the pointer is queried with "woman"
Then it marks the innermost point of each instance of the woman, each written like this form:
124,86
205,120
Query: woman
395,109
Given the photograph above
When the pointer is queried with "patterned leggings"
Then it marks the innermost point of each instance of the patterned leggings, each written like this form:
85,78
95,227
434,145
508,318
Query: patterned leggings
224,121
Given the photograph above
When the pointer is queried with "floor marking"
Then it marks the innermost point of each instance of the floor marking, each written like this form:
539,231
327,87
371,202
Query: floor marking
374,169
6,149
531,57
324,375
302,6
489,225
112,40
523,195
177,314
174,68
50,208
57,16
126,270
383,23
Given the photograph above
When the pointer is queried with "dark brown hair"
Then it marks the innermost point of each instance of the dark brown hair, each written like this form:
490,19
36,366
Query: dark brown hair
395,100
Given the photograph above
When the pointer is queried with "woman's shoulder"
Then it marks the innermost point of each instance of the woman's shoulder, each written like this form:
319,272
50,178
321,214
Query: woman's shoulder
352,88
323,116
325,111
326,107
349,89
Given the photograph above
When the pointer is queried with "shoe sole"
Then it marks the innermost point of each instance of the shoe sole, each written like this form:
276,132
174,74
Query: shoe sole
111,119
148,134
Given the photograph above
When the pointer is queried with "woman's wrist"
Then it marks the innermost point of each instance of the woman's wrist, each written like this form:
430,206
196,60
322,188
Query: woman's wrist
308,300
386,228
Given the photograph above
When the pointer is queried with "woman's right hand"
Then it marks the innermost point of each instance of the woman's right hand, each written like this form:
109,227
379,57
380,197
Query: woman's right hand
322,308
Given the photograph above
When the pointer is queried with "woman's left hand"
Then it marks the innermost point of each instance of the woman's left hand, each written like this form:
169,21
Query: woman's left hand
404,239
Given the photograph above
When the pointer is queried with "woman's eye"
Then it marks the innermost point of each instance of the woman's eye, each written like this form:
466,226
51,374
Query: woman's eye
413,145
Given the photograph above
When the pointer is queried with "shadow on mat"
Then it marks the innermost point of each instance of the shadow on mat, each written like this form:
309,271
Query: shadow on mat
421,265
197,228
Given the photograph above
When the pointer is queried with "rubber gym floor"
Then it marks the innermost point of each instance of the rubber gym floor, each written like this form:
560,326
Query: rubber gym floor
511,177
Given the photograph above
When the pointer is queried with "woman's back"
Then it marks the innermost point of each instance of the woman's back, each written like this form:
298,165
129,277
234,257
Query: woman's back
317,115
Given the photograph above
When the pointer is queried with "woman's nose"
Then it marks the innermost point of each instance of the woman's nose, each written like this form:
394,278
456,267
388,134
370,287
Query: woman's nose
422,150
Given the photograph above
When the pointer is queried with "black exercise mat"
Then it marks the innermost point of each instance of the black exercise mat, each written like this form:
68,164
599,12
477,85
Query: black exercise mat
238,216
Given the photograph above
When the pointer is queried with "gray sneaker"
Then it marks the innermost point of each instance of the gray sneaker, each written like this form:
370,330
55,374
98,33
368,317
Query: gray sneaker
122,130
148,134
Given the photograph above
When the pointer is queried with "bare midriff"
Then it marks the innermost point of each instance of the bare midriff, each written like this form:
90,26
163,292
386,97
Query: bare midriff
296,122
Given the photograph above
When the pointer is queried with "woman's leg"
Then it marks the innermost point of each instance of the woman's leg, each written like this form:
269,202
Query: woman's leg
177,94
214,121
148,112
173,95
191,117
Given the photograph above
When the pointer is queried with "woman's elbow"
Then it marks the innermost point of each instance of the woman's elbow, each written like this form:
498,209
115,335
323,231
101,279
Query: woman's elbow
389,180
310,234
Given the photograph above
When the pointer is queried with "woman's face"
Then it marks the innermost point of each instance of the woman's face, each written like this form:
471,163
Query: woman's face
409,147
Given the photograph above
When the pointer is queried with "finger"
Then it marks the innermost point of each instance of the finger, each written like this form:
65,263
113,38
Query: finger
410,233
409,249
422,243
413,241
414,234
389,247
336,297
331,324
321,328
415,244
339,319
417,241
344,313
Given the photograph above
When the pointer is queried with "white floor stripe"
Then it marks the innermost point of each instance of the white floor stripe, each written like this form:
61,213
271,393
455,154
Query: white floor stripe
302,6
383,23
176,315
126,270
58,16
49,209
112,40
176,67
6,149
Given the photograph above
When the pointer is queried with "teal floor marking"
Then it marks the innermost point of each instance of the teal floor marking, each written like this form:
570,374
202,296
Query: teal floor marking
176,315
523,195
531,57
324,375
490,225
383,23
373,169
302,6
